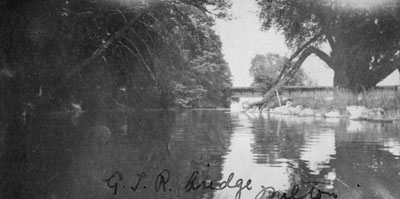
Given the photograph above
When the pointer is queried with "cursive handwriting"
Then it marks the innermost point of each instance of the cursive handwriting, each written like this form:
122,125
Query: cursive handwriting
115,185
313,193
141,175
195,183
192,185
161,180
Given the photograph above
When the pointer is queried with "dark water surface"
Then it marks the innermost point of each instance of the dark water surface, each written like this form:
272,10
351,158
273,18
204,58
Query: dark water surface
154,154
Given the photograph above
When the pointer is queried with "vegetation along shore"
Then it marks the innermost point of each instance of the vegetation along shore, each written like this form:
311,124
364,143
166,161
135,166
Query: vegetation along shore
372,105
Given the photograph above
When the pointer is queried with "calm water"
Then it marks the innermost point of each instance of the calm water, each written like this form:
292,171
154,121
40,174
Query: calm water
62,157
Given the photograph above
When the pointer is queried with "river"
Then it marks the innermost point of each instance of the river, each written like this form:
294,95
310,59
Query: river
155,154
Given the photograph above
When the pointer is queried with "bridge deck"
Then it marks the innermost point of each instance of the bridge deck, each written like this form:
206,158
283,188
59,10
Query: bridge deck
298,91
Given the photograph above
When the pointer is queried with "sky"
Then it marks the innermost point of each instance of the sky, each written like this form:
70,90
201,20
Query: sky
242,39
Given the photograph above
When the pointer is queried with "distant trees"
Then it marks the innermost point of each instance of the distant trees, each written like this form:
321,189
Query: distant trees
265,69
363,36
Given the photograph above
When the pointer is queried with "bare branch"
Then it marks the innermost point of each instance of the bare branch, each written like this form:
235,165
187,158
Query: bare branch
141,57
122,14
147,47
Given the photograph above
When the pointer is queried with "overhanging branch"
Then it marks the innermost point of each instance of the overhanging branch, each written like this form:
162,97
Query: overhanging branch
105,45
63,83
322,55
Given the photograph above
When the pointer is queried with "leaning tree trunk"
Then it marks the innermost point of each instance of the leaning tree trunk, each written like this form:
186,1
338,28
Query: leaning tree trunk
353,69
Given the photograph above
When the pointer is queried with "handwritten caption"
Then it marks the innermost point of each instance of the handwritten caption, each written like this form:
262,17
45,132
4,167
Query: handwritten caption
162,179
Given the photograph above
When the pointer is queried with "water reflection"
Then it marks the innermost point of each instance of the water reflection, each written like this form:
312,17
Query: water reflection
248,159
353,160
52,157
318,150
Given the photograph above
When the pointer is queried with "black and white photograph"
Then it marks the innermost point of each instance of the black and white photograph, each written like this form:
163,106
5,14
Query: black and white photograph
199,99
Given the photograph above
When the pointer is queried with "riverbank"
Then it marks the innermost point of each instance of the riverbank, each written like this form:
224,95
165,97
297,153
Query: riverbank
375,105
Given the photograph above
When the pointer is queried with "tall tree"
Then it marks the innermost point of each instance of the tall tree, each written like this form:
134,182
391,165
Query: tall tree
363,36
61,50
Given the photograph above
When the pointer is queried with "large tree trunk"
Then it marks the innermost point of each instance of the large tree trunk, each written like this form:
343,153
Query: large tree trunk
342,79
354,70
356,80
345,79
357,71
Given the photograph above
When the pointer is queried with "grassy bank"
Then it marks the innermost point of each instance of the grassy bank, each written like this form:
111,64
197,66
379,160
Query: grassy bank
389,100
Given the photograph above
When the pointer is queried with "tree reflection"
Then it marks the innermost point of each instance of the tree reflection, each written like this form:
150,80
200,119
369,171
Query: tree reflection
366,168
61,160
274,140
297,143
354,160
51,157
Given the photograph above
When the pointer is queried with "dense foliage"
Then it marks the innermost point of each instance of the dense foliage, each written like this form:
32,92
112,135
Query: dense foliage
363,35
111,54
265,68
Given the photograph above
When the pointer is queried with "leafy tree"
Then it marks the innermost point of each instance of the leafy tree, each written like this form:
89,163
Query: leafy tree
363,38
197,76
209,67
102,54
53,52
265,69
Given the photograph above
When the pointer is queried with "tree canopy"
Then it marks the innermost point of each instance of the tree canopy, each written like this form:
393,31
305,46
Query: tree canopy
107,53
363,36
